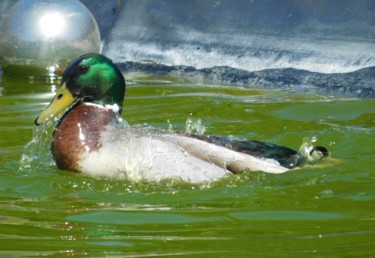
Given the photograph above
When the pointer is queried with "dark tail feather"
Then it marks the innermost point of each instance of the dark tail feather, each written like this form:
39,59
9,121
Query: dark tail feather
287,157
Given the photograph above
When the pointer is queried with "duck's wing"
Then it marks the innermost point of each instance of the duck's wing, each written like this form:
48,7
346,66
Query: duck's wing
233,155
285,156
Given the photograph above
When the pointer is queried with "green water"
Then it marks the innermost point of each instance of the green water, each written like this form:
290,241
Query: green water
325,212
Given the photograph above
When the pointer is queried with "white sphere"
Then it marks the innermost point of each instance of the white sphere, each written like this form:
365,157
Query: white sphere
44,35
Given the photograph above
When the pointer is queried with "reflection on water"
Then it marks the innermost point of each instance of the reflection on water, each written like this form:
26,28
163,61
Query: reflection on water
322,211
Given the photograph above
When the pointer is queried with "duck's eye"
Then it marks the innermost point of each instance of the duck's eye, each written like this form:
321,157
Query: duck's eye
83,69
59,96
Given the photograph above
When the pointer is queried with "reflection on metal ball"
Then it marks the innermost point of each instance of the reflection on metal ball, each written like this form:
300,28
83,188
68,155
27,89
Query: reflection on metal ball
44,35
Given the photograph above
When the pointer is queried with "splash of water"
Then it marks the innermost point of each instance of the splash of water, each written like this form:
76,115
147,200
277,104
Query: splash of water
307,153
36,153
170,126
194,125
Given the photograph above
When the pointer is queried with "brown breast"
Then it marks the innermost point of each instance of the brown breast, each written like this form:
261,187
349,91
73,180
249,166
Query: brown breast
79,132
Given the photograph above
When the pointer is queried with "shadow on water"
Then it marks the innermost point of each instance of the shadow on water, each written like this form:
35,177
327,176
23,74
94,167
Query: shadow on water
359,83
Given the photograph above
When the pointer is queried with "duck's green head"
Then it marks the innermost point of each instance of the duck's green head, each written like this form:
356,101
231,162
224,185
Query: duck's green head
89,78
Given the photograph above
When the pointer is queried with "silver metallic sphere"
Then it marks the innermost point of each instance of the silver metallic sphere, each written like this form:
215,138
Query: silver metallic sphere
44,35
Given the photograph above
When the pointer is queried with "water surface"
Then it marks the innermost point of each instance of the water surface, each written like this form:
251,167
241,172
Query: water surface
325,211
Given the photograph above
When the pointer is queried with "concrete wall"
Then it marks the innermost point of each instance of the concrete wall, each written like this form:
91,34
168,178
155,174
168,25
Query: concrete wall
317,35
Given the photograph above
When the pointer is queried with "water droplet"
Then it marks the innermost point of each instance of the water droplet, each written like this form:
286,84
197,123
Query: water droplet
194,126
170,126
326,193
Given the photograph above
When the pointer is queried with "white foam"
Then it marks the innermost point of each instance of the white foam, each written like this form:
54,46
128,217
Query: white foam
251,53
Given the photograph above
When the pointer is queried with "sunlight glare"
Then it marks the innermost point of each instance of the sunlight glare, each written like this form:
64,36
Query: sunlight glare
52,24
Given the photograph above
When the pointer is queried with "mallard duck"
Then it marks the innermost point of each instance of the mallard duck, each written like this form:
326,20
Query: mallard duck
91,137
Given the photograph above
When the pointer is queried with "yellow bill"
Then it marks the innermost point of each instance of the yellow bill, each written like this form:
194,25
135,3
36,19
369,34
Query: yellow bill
60,102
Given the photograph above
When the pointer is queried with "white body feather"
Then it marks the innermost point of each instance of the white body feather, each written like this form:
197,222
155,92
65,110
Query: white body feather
137,154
